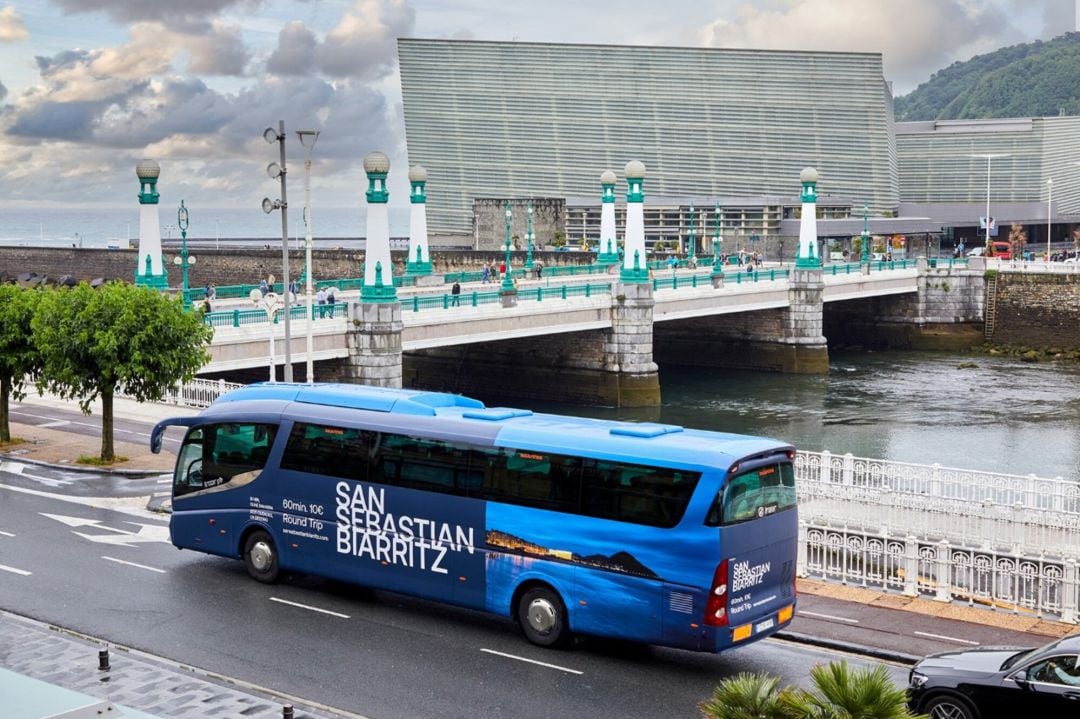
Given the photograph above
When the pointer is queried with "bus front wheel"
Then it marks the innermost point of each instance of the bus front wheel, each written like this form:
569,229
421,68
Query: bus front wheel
260,557
542,616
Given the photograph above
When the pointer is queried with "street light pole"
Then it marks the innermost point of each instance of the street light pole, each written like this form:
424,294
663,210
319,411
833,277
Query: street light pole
308,139
1049,197
989,249
182,223
508,280
276,171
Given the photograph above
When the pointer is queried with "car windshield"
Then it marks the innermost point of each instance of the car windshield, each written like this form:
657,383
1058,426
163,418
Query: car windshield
1016,658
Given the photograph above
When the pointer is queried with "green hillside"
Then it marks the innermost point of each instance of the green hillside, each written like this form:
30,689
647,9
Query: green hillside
1035,79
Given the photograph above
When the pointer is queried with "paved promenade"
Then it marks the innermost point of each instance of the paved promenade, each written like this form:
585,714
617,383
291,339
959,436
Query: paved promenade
851,619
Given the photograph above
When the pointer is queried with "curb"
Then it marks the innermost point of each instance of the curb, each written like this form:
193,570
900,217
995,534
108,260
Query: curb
849,647
133,473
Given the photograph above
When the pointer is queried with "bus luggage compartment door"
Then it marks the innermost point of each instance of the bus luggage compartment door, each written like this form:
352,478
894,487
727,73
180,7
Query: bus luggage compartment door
614,604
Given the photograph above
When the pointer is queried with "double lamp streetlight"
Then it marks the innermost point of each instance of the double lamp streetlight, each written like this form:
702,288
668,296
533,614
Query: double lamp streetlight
278,171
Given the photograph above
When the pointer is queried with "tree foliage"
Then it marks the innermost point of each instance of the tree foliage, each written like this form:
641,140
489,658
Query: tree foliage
1034,79
19,358
93,341
745,696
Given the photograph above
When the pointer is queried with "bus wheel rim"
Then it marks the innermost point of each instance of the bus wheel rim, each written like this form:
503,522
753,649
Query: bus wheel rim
542,615
261,556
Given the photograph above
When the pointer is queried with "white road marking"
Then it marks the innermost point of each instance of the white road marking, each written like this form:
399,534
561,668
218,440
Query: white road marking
531,661
828,616
164,481
128,505
13,570
146,533
305,606
57,423
12,467
7,534
947,639
133,564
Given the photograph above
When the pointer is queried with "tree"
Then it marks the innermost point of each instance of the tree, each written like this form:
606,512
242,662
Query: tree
119,335
1017,239
841,692
19,358
745,696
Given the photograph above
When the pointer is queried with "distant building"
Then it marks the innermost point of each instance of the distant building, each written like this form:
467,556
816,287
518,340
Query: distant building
544,120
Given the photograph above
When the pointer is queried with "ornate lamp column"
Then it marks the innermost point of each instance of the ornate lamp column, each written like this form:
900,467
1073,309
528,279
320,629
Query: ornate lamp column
609,247
635,263
808,257
418,262
508,292
378,283
183,260
149,268
865,236
717,275
529,237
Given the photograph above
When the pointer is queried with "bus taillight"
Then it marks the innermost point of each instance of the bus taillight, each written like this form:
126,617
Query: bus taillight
716,607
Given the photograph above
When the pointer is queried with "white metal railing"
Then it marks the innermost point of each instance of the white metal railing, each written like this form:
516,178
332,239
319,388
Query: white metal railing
1003,541
196,393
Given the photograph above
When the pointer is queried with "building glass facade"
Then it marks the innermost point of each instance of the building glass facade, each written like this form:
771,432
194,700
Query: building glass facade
539,119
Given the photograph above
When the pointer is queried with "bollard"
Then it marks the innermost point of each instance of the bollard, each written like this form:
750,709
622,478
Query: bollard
103,660
287,712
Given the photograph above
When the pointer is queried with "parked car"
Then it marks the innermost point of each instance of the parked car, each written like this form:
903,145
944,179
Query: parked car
990,682
1003,250
976,252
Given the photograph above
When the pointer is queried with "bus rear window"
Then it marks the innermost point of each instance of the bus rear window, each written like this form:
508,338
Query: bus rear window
757,493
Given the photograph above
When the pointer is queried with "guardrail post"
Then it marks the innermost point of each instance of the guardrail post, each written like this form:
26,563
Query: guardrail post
236,318
911,567
849,469
1070,589
801,555
446,302
475,299
416,303
588,287
941,570
1030,495
564,292
826,467
935,480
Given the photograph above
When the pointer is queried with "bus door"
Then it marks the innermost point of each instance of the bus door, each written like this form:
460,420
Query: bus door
758,531
215,464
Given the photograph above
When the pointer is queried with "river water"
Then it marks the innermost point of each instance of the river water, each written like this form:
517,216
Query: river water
1002,415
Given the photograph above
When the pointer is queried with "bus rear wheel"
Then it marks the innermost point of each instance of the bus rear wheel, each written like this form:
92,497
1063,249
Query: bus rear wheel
260,557
542,616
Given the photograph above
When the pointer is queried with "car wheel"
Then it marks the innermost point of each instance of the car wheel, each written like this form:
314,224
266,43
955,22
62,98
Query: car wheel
542,616
260,557
949,707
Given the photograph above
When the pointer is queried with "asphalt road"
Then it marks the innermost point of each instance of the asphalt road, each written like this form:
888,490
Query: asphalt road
111,573
124,430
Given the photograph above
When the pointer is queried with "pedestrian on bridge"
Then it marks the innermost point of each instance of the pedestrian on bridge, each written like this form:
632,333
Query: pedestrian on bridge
485,273
455,292
331,300
320,299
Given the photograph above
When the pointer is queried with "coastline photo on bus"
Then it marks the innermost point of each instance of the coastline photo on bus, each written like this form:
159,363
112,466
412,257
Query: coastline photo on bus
640,531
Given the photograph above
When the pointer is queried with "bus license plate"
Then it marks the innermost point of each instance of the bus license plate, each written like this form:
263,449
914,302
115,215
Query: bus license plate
762,626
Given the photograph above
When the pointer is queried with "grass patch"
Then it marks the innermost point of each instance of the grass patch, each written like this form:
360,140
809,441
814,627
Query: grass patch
14,442
98,462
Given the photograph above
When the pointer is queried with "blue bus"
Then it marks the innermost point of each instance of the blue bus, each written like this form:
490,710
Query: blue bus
640,531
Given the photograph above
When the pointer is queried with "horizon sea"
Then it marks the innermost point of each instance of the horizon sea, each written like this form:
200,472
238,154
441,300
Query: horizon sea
97,227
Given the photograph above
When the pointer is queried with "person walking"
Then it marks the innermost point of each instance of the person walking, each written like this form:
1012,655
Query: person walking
320,300
331,300
455,293
485,273
264,287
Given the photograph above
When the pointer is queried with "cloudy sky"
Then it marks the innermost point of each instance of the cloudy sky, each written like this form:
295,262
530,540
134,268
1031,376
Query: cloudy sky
87,87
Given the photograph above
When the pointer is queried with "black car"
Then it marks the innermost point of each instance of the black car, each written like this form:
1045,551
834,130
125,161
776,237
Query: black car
991,682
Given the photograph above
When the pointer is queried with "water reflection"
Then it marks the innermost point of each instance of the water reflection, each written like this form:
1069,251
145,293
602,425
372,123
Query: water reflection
1000,415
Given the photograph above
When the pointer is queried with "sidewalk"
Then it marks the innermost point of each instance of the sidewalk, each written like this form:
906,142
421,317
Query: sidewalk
59,445
62,659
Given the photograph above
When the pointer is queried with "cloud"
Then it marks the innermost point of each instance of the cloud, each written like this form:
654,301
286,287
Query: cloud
11,25
364,42
908,33
295,53
190,14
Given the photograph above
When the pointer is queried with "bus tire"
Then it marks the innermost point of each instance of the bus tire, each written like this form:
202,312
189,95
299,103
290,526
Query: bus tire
260,557
542,616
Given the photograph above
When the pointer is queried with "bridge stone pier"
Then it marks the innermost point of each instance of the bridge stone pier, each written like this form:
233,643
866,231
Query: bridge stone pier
373,338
